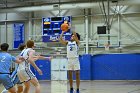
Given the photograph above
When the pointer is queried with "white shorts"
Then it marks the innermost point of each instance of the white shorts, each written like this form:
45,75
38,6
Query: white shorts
73,64
25,75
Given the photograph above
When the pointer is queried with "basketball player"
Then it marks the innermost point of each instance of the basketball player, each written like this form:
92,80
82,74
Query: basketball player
14,76
24,72
73,58
5,63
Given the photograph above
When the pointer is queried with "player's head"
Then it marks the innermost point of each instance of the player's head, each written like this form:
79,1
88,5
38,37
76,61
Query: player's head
21,47
4,47
73,36
30,44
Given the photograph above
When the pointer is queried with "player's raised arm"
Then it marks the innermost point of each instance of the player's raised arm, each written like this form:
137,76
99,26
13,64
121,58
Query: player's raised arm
61,40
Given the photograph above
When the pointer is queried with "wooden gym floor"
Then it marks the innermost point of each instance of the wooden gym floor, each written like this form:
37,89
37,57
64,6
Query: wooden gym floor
89,87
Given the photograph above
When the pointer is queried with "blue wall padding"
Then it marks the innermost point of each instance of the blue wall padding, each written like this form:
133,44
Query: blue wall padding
101,67
45,66
85,64
116,67
85,67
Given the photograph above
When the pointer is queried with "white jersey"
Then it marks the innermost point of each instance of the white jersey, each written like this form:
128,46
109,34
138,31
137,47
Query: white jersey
24,71
72,49
24,65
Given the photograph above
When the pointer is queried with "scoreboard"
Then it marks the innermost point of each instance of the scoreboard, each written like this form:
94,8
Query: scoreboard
51,28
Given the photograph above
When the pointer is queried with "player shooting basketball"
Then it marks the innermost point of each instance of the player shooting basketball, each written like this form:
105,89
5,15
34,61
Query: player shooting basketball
72,55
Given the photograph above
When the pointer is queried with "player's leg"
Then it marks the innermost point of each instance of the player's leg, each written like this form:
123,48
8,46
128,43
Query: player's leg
77,72
25,77
12,90
70,78
19,84
19,88
35,82
26,87
7,82
70,74
4,91
14,79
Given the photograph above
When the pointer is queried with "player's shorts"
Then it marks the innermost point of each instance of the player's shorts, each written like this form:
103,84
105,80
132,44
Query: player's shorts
73,63
25,75
15,78
6,80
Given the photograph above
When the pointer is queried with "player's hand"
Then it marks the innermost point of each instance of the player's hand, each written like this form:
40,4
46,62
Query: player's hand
36,57
50,58
63,32
40,72
21,58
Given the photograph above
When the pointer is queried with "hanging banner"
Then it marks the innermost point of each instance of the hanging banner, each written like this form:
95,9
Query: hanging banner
18,31
55,38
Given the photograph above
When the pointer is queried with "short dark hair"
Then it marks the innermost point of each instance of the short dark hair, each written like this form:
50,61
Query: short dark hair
21,47
30,43
78,36
4,47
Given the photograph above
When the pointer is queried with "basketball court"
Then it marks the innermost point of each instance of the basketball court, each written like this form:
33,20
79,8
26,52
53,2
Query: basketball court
90,87
99,37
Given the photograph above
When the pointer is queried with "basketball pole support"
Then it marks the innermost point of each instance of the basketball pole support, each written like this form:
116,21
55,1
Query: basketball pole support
86,28
108,20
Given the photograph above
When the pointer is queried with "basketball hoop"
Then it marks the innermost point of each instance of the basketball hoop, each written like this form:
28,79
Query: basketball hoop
107,46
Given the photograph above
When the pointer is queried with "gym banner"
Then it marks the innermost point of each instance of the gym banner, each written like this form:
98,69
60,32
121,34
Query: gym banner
18,32
55,38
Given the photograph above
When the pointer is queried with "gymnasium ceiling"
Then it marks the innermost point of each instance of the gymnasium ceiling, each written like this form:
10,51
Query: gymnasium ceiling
21,3
131,6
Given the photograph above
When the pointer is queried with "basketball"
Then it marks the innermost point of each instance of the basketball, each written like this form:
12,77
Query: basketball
64,27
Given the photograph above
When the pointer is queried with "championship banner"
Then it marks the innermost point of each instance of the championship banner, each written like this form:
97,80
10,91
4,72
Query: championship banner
18,32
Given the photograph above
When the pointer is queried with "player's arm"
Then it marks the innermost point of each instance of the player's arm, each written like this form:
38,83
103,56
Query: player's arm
42,57
61,40
32,61
76,38
18,59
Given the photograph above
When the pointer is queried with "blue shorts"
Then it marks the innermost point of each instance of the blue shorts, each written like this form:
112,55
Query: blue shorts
15,78
6,80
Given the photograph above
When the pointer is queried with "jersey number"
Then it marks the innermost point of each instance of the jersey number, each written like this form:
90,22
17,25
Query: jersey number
71,48
3,59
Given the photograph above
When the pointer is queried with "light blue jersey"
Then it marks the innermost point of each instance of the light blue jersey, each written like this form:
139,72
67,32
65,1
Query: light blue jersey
5,62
